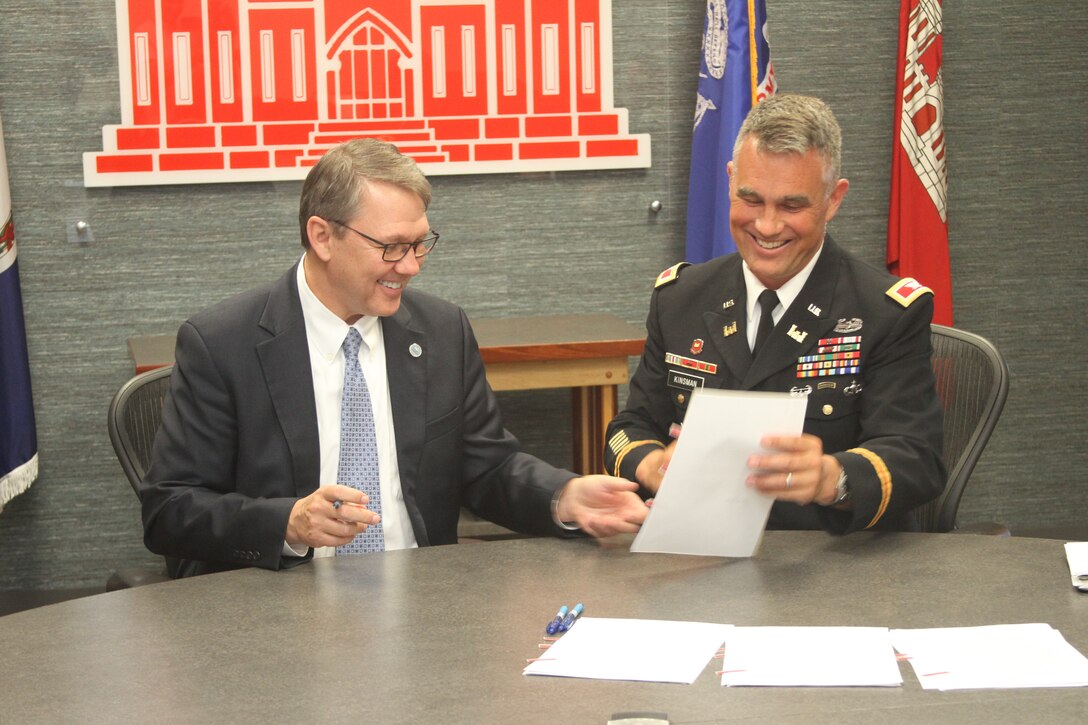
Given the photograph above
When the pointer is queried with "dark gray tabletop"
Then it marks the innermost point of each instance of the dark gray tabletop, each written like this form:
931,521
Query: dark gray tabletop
442,634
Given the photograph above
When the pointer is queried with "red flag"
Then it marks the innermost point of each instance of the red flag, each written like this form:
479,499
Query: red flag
918,211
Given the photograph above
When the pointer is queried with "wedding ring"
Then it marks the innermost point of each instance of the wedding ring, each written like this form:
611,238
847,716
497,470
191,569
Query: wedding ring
789,479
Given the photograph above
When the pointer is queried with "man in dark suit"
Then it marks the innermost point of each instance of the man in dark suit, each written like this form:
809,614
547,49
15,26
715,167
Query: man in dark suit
793,312
247,467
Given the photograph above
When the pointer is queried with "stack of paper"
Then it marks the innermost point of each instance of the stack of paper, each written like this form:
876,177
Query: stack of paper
810,657
646,650
1077,554
996,656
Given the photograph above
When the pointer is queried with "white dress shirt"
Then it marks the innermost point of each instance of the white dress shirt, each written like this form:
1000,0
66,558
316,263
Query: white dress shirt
787,293
325,333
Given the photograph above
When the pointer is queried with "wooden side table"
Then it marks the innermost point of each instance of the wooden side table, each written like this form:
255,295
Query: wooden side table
586,353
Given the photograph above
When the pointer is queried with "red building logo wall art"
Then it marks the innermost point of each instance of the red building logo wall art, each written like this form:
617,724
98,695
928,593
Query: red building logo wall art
258,90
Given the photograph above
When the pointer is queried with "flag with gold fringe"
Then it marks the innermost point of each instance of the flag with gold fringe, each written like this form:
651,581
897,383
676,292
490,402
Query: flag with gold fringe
18,437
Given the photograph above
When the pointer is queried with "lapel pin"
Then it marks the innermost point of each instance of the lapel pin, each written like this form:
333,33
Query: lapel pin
797,334
814,310
727,304
415,350
696,346
729,329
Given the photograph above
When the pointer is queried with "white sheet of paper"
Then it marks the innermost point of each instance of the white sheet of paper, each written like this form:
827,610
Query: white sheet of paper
1076,553
644,650
993,656
810,657
704,506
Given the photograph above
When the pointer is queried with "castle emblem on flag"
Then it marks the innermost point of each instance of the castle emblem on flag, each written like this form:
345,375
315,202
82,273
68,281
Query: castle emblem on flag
922,125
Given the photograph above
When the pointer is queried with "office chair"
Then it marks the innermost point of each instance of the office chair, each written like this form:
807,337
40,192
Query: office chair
972,383
133,419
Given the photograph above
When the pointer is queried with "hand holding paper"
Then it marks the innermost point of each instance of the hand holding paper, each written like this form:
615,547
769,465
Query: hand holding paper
705,505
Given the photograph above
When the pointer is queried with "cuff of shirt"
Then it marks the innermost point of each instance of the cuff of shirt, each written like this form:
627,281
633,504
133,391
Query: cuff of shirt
289,550
555,512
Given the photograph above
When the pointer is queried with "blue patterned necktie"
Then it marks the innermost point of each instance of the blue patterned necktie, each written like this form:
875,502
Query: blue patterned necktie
358,466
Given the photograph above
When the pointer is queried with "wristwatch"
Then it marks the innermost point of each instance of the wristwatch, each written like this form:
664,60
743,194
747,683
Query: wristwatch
842,490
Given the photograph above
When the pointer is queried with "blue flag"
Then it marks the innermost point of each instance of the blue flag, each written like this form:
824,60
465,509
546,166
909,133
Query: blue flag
735,73
18,439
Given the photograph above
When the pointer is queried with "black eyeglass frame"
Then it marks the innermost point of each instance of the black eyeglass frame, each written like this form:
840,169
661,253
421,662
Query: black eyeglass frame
420,248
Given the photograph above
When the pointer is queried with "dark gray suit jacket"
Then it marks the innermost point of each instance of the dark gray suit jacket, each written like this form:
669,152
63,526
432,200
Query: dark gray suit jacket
238,444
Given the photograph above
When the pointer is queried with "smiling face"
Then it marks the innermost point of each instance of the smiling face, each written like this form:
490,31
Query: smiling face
347,273
780,204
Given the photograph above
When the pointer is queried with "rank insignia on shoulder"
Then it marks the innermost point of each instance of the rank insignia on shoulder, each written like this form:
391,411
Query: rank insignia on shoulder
907,290
670,274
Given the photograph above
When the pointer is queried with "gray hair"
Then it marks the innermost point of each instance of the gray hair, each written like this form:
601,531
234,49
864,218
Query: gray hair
337,184
788,123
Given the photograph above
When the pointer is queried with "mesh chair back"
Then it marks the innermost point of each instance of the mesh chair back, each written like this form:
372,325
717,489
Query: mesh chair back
972,383
133,419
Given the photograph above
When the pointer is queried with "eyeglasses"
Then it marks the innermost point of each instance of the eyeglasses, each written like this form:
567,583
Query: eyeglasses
399,250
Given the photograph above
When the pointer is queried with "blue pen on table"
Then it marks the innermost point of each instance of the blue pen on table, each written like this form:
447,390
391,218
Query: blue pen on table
568,621
553,626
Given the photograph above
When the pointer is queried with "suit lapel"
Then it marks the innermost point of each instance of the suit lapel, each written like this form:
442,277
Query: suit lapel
728,329
407,376
804,323
285,363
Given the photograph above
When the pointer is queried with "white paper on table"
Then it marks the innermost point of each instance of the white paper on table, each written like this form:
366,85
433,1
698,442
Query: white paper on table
810,657
704,505
1076,553
645,650
993,656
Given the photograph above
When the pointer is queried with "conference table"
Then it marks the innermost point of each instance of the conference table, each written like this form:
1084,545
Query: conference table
441,635
586,353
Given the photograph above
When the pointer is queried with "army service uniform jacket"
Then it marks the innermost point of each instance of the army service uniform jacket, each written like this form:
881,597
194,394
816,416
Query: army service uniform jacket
856,341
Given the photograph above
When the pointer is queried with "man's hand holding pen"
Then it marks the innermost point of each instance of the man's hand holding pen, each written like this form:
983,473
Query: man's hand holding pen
330,516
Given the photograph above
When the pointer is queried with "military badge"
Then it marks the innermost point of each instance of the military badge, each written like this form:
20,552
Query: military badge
672,358
797,334
729,329
696,346
851,325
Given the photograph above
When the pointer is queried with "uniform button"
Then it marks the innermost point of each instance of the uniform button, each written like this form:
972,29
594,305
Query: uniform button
828,409
680,398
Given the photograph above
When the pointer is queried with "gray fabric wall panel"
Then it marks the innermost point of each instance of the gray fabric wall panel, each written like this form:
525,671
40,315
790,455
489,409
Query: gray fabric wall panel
563,242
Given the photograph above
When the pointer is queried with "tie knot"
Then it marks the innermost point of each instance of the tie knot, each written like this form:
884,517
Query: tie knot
768,300
352,342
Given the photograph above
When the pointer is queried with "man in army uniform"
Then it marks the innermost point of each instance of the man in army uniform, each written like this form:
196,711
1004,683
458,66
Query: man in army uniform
794,312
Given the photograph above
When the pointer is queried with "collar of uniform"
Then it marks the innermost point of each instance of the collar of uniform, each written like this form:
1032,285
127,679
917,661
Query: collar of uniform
787,293
325,330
